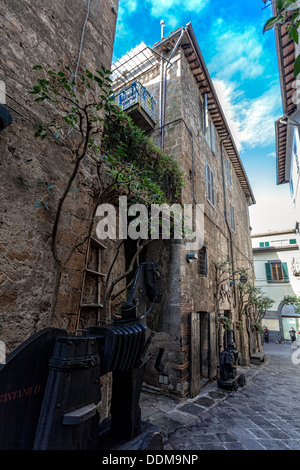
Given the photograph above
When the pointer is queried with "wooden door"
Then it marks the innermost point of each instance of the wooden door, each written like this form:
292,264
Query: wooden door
200,350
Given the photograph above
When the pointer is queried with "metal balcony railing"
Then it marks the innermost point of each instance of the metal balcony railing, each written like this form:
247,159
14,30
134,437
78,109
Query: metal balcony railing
134,94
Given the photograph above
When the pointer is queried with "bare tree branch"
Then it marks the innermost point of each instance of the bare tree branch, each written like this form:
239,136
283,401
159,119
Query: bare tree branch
129,270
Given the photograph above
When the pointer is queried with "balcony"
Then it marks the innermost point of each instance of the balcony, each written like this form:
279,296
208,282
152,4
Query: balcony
138,104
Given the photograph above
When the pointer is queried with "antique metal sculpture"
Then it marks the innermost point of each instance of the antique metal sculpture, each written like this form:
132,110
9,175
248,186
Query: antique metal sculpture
229,378
50,385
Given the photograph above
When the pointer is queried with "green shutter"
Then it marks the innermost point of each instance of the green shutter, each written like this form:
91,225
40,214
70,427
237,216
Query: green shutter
293,241
268,272
261,244
267,243
285,272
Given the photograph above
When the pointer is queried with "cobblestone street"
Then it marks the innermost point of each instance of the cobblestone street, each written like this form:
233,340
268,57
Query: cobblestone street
262,415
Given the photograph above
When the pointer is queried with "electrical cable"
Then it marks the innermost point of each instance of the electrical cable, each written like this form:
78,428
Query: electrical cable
81,42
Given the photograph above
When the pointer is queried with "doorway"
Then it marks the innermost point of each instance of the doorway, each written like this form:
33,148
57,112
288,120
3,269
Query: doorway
200,351
288,323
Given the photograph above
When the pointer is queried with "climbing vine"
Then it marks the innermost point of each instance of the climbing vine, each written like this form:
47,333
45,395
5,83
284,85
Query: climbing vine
83,119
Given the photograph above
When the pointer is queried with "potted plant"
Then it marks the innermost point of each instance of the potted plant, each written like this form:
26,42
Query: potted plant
225,321
258,328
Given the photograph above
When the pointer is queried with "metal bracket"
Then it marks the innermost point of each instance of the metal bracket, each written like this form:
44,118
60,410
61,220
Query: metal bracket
80,415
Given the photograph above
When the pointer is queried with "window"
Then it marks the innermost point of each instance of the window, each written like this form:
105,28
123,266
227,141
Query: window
203,261
293,241
210,185
276,271
295,149
228,173
291,187
210,136
262,244
232,217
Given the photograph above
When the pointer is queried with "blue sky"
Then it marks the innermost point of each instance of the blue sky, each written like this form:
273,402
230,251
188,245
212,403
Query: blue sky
243,66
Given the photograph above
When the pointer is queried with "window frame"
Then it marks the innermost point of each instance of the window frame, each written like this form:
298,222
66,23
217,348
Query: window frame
202,266
232,217
228,173
270,271
209,128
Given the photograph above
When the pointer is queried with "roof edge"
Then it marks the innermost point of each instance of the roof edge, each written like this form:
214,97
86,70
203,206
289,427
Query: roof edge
193,39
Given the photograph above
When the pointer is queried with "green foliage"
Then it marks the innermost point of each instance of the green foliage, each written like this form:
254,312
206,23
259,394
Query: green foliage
292,300
75,105
261,303
225,321
155,176
84,117
249,294
259,328
42,204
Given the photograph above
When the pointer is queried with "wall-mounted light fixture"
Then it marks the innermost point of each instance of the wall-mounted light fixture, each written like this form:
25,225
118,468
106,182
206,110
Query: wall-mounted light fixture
5,118
243,279
191,256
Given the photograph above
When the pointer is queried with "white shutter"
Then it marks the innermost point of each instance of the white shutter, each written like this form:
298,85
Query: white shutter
205,120
213,137
210,185
212,189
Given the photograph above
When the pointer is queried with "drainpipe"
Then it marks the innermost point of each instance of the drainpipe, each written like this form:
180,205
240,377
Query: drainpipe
162,23
224,185
225,209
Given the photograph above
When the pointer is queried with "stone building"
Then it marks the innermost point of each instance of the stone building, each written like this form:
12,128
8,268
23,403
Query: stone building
79,34
167,90
277,273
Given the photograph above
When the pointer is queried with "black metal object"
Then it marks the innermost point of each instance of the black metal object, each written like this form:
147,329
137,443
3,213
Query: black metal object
228,376
5,118
50,385
68,417
146,285
23,381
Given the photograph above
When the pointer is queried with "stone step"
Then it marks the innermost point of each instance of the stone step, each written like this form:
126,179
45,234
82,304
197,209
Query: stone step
257,358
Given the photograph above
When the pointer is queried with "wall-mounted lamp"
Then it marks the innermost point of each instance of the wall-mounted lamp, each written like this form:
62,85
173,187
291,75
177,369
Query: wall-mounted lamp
243,279
5,118
191,256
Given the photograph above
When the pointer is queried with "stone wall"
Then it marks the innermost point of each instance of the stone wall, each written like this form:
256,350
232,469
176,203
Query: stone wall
48,34
185,290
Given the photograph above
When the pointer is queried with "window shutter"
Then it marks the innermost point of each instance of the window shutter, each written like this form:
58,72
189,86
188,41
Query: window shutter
261,244
212,189
285,272
205,120
207,181
213,137
293,241
268,272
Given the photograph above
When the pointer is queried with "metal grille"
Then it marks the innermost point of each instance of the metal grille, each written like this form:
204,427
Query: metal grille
131,65
136,93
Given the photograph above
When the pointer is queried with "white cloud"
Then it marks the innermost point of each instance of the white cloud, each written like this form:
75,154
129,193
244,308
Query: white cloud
238,52
160,8
126,8
251,121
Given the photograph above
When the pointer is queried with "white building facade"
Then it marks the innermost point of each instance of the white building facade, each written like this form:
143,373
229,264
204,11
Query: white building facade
277,272
288,126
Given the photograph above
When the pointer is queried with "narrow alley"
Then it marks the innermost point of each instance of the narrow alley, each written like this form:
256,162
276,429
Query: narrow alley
262,415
